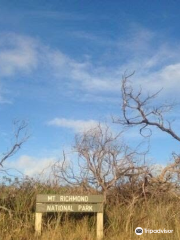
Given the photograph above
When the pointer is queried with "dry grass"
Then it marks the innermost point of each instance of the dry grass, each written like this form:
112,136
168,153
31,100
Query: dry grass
17,209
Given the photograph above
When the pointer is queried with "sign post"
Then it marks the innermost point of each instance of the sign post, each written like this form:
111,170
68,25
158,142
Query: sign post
69,203
99,225
38,223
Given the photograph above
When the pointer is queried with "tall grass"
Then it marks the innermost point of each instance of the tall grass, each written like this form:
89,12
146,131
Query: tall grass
121,217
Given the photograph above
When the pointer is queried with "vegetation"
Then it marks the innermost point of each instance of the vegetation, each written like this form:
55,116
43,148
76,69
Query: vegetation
125,210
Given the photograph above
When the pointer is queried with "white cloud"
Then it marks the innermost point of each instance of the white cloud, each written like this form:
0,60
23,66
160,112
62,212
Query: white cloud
137,40
21,54
17,54
156,65
80,75
166,78
160,68
75,125
32,166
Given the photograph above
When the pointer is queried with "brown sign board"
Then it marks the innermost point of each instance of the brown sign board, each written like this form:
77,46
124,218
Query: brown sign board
46,198
69,203
43,207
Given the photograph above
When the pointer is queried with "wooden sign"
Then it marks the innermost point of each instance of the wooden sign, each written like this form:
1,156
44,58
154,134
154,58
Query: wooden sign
69,198
69,203
69,208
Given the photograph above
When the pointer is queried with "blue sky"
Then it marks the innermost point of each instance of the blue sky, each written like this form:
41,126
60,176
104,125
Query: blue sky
61,63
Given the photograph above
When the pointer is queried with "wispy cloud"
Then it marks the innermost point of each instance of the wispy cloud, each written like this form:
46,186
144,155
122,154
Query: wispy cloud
21,54
17,54
156,65
75,125
96,38
32,166
155,60
80,75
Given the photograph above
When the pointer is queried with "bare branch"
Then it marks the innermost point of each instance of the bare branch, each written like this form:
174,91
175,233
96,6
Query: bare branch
137,113
102,161
20,137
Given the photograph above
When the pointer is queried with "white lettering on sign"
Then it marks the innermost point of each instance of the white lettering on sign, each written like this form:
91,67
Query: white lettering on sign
74,198
51,198
85,208
60,208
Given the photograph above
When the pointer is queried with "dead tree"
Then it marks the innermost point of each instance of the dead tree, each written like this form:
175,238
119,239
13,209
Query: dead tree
20,136
102,160
140,110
